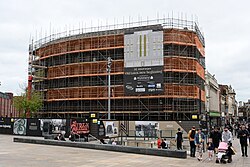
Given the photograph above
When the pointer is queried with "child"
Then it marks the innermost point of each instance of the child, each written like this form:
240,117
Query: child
199,140
210,148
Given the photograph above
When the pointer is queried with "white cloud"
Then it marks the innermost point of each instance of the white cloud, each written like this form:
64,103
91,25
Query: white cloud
225,24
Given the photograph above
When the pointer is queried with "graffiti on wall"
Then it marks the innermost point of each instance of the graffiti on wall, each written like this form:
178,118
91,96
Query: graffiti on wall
79,127
20,127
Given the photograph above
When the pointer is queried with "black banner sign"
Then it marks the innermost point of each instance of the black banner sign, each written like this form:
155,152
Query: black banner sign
6,125
33,127
143,80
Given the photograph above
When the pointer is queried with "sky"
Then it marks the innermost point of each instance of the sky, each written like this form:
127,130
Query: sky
225,24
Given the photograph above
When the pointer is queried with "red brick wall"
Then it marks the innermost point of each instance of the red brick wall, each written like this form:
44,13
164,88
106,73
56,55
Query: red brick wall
7,108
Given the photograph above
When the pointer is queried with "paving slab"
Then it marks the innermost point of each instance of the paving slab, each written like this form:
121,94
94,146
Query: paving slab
106,147
34,155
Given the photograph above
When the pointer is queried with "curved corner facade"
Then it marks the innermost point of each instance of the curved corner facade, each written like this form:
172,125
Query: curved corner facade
72,73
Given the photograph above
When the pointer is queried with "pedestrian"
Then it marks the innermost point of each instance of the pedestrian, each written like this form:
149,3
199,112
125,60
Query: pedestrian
236,129
216,139
248,128
110,141
227,136
102,141
163,144
113,142
199,141
191,136
167,144
210,148
60,137
179,139
243,135
230,128
72,136
159,142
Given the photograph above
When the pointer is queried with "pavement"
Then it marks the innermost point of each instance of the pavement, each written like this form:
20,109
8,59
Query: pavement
34,155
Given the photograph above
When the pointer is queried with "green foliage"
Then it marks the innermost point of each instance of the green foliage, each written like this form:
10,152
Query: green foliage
24,105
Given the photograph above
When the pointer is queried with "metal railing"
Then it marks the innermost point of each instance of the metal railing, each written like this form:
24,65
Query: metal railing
154,133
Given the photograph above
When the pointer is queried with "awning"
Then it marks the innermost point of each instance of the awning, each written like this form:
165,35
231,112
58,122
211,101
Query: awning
214,114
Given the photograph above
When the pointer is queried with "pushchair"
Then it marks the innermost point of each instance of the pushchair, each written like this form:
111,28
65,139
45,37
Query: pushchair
225,152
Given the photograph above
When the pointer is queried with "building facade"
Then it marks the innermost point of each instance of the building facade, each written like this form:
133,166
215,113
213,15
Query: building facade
157,71
6,105
244,111
212,100
227,96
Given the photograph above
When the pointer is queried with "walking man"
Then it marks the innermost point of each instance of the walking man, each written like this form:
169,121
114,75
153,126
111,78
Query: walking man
216,138
179,139
243,135
191,136
199,141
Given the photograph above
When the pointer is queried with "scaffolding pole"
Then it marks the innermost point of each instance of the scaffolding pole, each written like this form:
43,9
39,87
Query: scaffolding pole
109,69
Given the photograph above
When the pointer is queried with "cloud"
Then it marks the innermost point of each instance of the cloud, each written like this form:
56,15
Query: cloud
225,24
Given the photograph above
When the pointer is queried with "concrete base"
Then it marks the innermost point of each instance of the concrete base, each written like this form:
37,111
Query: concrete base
117,148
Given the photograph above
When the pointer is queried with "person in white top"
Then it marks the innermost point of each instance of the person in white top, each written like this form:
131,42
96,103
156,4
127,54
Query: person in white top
226,135
113,142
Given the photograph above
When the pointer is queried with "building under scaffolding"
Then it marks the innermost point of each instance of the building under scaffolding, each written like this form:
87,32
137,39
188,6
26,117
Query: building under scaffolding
70,69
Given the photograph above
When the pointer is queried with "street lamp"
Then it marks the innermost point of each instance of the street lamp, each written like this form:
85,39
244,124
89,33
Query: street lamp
109,70
208,123
226,112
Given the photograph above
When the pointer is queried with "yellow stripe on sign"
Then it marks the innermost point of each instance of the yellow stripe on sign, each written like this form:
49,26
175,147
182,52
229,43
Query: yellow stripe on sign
145,45
140,45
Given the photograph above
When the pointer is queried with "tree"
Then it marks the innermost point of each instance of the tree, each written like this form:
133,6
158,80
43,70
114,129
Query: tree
28,107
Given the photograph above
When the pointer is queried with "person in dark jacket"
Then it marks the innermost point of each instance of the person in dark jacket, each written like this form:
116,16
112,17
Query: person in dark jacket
216,138
179,139
163,144
243,135
60,137
236,129
102,141
191,136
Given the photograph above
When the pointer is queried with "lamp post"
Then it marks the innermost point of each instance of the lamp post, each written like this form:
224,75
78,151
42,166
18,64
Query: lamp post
208,123
226,112
109,70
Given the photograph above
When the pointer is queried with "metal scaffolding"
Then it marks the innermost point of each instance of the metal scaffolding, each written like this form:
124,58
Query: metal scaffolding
70,68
